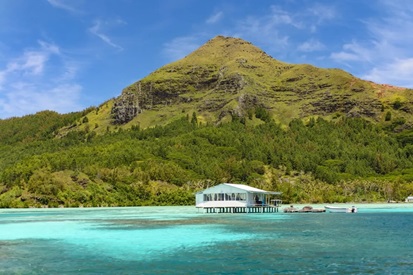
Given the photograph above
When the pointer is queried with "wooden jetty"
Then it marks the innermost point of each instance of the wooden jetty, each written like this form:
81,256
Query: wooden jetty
246,209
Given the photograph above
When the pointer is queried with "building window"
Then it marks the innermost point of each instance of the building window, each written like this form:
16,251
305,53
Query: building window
225,197
207,197
241,197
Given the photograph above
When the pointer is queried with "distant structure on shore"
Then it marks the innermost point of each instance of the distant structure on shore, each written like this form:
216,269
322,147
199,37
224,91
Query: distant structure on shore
237,198
409,199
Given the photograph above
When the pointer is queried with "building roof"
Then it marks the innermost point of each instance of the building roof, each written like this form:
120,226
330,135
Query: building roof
242,187
250,189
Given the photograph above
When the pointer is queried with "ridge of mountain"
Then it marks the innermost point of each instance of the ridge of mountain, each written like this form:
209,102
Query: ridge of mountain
229,77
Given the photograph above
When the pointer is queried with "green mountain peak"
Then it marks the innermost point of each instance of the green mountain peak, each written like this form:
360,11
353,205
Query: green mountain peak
229,77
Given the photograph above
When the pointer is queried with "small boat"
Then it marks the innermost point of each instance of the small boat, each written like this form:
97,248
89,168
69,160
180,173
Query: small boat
335,209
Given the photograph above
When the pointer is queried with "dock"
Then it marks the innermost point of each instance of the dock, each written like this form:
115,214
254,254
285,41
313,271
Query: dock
246,209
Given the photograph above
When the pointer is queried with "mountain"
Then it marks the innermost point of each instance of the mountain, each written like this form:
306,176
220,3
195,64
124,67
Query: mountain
229,77
227,112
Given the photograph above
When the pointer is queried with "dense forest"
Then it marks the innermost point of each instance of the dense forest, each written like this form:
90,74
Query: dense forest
341,160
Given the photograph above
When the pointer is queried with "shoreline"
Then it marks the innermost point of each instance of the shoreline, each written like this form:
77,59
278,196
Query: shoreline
373,205
370,205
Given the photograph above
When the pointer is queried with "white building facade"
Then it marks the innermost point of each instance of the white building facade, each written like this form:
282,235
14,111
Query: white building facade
229,195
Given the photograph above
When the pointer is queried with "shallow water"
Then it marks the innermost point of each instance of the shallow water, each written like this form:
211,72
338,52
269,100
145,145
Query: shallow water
179,240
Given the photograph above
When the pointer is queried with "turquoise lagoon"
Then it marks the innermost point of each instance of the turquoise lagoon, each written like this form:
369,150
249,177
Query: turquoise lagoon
179,240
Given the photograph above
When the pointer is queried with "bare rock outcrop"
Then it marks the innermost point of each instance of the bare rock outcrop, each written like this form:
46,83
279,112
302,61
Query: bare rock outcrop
125,108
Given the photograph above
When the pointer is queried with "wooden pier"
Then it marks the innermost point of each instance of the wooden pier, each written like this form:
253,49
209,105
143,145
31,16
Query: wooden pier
247,209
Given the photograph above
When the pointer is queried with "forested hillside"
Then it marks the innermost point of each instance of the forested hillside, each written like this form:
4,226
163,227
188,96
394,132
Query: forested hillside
345,159
40,126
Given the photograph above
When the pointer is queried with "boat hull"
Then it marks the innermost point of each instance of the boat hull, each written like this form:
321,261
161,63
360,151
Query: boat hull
335,209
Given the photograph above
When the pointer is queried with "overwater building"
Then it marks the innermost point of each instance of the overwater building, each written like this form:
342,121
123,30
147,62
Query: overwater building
237,198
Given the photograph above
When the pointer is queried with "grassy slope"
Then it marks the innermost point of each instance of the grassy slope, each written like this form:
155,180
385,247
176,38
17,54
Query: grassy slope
206,82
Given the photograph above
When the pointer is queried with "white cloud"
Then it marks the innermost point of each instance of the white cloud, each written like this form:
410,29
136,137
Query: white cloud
180,47
97,29
279,28
317,14
49,47
276,29
385,50
62,4
32,62
311,45
70,70
39,79
353,51
266,29
279,16
399,72
26,98
303,19
343,57
323,12
216,17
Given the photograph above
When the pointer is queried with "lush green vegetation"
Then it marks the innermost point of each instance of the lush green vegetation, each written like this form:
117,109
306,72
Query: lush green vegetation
317,161
40,126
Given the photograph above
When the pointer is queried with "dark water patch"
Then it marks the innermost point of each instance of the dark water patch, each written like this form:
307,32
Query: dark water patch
222,220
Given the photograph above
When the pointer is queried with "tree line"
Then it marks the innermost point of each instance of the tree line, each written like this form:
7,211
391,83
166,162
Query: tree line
346,159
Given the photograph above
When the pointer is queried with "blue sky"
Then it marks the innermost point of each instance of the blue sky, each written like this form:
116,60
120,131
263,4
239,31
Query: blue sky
66,55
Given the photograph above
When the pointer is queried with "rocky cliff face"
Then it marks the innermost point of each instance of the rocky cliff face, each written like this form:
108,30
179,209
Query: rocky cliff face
125,108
